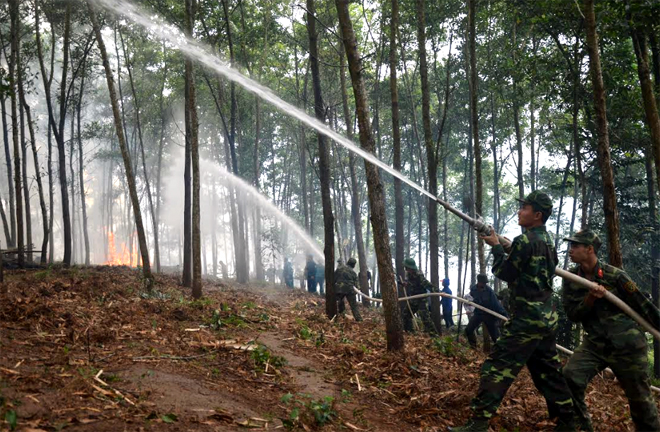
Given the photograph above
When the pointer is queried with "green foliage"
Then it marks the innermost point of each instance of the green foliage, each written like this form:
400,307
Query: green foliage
169,418
448,347
306,411
262,356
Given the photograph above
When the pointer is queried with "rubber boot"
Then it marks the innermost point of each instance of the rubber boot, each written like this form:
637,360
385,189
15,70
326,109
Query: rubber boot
473,425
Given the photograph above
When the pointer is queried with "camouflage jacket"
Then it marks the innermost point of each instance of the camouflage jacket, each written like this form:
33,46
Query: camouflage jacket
345,280
529,270
416,283
604,322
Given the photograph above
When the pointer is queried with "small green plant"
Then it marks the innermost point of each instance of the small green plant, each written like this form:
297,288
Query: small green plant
249,305
305,333
448,347
216,321
306,410
262,356
346,395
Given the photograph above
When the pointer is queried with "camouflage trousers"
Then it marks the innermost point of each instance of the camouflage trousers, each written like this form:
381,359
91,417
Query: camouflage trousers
630,368
417,306
523,343
352,302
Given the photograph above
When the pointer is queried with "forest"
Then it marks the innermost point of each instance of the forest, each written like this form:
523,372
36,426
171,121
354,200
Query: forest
170,169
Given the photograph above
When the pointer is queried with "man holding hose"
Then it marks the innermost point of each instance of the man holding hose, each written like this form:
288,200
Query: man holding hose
613,339
528,338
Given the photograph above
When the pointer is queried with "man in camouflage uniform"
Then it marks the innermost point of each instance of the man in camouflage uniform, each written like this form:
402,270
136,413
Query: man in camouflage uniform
528,338
414,284
613,339
345,280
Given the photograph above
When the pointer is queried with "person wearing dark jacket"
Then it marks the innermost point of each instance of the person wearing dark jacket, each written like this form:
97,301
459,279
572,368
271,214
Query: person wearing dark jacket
483,295
310,274
446,305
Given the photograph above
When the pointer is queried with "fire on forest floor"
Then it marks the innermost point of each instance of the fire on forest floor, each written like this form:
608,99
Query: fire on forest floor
85,349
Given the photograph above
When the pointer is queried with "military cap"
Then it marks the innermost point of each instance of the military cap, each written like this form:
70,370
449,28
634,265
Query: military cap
351,262
482,278
539,200
410,263
585,237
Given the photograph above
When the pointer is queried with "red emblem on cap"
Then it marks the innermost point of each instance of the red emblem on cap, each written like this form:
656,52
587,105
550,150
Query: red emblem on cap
600,273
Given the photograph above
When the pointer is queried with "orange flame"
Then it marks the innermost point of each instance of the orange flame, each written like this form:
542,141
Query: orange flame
124,257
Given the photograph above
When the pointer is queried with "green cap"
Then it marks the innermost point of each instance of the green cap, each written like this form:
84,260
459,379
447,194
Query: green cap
410,263
539,200
585,237
351,262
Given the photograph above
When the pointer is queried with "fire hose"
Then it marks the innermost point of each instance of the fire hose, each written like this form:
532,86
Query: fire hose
491,312
484,229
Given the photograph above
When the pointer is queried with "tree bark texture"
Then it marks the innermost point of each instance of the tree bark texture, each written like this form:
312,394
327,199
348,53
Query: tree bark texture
13,61
130,178
393,326
324,165
396,143
603,151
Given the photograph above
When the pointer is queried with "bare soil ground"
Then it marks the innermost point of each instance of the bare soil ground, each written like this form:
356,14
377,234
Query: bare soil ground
84,349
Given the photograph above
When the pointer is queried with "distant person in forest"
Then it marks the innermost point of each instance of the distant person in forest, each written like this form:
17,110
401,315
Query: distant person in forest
223,269
446,305
320,277
287,273
310,274
345,280
528,337
613,339
340,262
483,295
415,283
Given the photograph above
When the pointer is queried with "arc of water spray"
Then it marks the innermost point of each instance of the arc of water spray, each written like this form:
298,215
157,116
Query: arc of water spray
271,208
200,53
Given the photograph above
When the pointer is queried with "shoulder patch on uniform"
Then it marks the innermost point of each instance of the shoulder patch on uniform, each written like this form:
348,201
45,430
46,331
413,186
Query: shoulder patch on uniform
600,273
630,287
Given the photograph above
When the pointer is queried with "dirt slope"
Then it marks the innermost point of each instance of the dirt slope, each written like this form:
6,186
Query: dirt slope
83,349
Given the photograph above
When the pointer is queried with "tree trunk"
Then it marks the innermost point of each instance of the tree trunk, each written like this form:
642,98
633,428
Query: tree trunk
192,128
516,122
26,185
81,165
355,187
396,143
135,202
11,242
648,96
13,61
393,327
324,165
431,156
138,126
37,171
475,125
58,129
609,193
655,251
242,268
258,261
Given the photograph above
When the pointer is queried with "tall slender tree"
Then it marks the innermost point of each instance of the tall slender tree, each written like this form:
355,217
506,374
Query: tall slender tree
324,165
128,167
393,326
602,129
